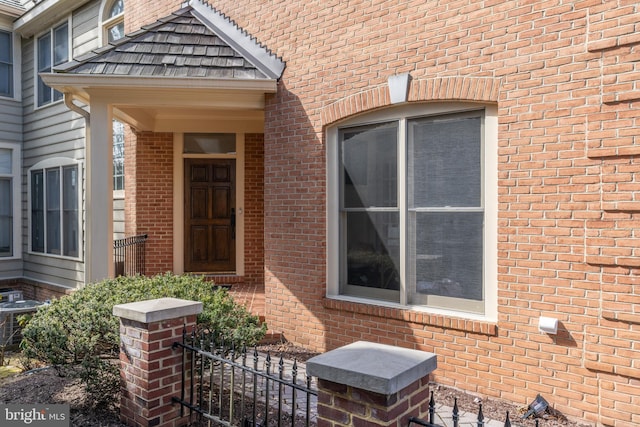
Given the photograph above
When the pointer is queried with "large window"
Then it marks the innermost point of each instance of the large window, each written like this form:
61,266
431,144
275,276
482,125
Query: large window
6,64
410,213
9,200
113,23
55,208
52,50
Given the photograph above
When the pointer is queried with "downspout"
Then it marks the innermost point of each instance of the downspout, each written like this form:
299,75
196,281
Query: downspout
68,101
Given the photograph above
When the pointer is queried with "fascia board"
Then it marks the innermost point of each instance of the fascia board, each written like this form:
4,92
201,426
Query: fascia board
11,11
247,46
44,14
60,81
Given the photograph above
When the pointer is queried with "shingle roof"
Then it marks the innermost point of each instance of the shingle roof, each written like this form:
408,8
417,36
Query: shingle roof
180,45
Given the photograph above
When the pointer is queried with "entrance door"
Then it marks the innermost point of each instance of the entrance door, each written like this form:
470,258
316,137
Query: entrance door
210,215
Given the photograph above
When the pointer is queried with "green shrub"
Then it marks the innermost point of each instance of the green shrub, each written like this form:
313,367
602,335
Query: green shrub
78,334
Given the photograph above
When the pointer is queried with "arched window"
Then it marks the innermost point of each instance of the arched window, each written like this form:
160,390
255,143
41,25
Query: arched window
113,22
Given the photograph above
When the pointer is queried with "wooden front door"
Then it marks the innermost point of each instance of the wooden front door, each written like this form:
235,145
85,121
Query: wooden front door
210,229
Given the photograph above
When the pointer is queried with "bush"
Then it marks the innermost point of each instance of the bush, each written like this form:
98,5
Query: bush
79,336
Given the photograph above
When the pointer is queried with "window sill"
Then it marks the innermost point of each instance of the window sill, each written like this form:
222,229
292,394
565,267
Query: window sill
482,327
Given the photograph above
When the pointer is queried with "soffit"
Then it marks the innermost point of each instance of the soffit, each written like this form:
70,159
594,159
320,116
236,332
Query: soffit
11,8
44,14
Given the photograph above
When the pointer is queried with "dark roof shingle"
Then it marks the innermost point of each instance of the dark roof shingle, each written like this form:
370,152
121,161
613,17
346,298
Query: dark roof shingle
178,45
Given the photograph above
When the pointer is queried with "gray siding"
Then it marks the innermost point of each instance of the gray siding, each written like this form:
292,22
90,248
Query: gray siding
10,132
53,131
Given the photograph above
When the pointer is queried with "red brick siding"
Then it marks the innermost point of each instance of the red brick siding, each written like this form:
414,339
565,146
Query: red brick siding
564,75
254,219
149,196
140,13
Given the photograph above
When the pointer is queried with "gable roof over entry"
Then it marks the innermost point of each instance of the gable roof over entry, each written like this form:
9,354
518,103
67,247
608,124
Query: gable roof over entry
193,59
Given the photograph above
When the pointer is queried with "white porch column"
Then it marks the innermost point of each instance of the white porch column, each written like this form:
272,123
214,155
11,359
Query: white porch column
99,193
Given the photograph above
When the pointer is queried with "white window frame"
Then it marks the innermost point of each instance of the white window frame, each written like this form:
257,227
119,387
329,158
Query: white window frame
16,185
50,31
490,197
107,22
44,165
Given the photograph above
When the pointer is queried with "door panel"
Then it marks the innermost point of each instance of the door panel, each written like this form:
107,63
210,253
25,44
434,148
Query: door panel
209,215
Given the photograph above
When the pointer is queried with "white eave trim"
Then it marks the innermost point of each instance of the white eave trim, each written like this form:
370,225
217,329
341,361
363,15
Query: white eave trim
44,14
14,12
248,47
80,82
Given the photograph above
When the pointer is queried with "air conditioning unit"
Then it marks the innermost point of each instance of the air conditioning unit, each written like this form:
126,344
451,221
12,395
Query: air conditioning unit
10,295
10,331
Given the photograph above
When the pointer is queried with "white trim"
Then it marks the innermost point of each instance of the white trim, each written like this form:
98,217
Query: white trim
36,73
16,187
83,81
56,162
490,201
105,6
178,199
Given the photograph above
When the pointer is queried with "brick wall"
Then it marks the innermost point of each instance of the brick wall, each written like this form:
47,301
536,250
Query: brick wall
149,196
564,75
139,13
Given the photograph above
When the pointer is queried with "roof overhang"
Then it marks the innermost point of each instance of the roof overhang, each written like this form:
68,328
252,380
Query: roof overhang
10,11
44,14
168,104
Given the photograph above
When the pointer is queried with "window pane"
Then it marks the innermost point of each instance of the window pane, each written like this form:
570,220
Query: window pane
369,157
44,53
60,45
6,64
53,211
5,161
210,143
37,211
6,217
6,48
373,250
6,80
118,155
70,206
116,32
447,253
445,162
117,8
44,66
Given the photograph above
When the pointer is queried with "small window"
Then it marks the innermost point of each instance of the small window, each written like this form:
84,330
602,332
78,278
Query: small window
210,143
52,50
55,208
118,155
9,200
113,25
6,64
410,211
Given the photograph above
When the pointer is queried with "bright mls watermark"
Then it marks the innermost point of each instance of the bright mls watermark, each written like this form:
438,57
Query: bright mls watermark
34,415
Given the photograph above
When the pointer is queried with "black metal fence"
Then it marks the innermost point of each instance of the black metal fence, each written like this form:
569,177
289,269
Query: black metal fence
455,416
129,255
222,386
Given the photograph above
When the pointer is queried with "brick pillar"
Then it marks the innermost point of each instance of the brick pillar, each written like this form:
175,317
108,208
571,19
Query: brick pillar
368,384
150,370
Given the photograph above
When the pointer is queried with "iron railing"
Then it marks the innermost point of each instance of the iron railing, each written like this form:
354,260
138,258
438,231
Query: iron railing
222,386
455,417
129,255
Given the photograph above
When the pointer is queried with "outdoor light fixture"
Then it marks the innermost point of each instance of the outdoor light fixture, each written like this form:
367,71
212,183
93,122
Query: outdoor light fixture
548,325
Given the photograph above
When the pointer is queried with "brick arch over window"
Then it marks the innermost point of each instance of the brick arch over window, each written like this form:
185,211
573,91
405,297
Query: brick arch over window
474,89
